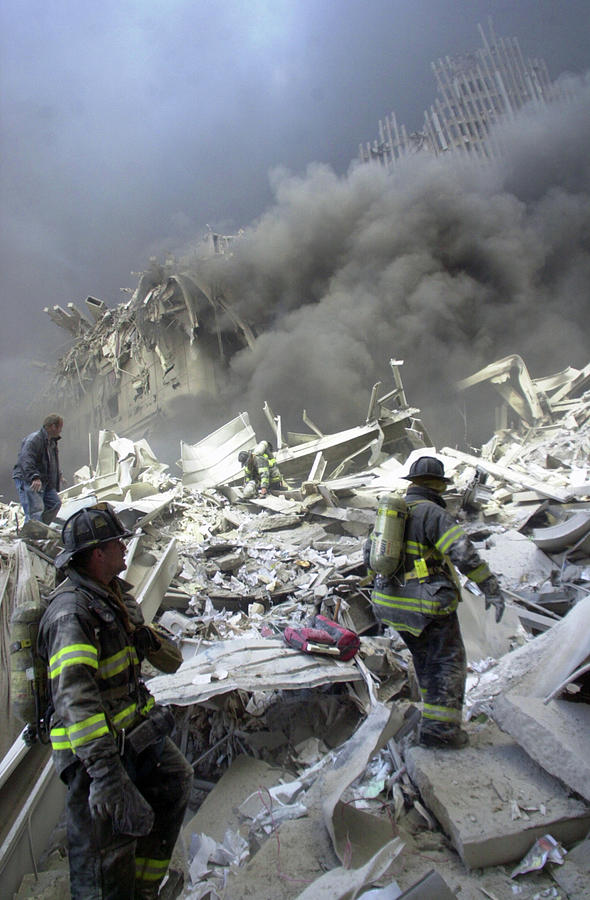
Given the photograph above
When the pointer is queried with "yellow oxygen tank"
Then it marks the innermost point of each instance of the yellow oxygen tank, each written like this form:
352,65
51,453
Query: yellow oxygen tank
261,448
387,540
28,673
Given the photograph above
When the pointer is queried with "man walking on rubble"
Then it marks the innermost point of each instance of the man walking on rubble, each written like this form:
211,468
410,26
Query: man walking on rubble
37,475
421,604
261,472
128,784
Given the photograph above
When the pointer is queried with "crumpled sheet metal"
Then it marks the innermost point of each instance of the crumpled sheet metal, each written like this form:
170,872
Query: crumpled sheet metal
345,884
564,534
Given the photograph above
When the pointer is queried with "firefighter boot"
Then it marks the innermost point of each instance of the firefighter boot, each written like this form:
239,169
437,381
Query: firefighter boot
449,739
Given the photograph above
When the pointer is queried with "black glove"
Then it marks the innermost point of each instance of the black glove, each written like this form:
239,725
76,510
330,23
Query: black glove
146,640
498,601
113,795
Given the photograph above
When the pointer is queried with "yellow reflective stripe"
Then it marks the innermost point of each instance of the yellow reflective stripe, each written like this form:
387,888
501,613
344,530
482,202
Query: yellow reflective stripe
72,655
441,713
411,604
151,702
416,548
403,626
125,717
449,537
113,665
80,733
150,869
480,573
59,739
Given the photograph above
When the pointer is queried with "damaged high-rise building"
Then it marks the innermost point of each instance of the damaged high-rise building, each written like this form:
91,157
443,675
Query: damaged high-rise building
475,91
134,364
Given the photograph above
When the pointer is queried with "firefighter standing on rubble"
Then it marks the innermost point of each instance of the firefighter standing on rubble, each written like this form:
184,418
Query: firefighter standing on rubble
421,604
261,472
128,784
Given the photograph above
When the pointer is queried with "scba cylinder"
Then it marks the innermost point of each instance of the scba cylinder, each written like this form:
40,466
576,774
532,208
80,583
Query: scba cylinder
387,541
28,675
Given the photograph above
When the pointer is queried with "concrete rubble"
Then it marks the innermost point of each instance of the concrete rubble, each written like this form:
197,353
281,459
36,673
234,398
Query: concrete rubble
308,781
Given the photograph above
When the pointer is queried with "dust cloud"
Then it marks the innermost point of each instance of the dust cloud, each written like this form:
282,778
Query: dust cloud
446,264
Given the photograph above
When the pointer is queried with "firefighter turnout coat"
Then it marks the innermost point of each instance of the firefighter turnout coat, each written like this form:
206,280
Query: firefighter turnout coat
426,588
263,471
86,638
93,639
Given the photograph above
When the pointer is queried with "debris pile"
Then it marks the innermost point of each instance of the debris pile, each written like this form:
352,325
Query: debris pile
169,340
308,780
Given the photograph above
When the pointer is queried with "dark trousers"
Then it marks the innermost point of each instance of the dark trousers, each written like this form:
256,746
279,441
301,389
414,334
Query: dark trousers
441,665
104,866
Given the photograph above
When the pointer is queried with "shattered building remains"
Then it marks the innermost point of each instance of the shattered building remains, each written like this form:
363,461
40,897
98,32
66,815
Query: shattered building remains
308,780
475,91
133,365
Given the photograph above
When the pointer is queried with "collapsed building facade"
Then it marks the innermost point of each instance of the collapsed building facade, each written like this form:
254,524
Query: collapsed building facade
132,366
475,91
308,778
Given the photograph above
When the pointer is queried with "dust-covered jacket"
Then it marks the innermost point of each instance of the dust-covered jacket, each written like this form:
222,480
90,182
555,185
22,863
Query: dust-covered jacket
88,639
426,587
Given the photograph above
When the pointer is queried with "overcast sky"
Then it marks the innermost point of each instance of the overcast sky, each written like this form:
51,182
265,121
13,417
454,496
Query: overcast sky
127,126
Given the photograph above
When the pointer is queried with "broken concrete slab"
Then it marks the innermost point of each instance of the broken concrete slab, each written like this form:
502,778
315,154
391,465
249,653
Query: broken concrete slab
557,733
573,876
556,736
472,794
542,664
431,887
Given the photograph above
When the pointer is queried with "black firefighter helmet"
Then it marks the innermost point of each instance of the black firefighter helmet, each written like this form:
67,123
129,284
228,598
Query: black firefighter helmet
89,527
426,467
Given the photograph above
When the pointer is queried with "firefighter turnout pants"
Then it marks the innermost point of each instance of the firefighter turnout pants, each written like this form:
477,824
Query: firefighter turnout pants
440,663
104,866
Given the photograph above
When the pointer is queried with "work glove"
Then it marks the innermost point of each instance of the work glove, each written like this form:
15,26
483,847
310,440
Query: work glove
497,601
146,640
113,795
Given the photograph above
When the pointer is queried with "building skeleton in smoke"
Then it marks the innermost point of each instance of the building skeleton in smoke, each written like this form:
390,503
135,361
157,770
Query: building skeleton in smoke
261,472
36,473
128,784
421,602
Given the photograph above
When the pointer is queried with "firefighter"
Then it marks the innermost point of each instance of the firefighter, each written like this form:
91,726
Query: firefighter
420,602
261,472
128,784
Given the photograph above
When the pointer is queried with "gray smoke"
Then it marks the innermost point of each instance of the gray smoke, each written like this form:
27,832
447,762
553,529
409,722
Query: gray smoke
445,264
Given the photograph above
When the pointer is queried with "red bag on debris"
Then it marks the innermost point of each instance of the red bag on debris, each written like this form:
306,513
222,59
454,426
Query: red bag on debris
321,635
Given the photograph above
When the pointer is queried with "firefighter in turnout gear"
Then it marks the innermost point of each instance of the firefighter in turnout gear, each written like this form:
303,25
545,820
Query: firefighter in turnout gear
261,472
128,784
420,601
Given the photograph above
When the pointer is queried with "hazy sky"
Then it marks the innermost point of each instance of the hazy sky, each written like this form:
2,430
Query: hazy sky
128,126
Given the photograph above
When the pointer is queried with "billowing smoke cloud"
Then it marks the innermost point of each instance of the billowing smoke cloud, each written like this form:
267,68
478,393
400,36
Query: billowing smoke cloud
444,264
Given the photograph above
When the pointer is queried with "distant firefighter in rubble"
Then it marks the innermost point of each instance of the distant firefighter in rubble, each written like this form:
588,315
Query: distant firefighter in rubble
37,475
261,472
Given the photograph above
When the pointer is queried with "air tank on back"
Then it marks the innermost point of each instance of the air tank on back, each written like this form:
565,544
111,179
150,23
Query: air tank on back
387,540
